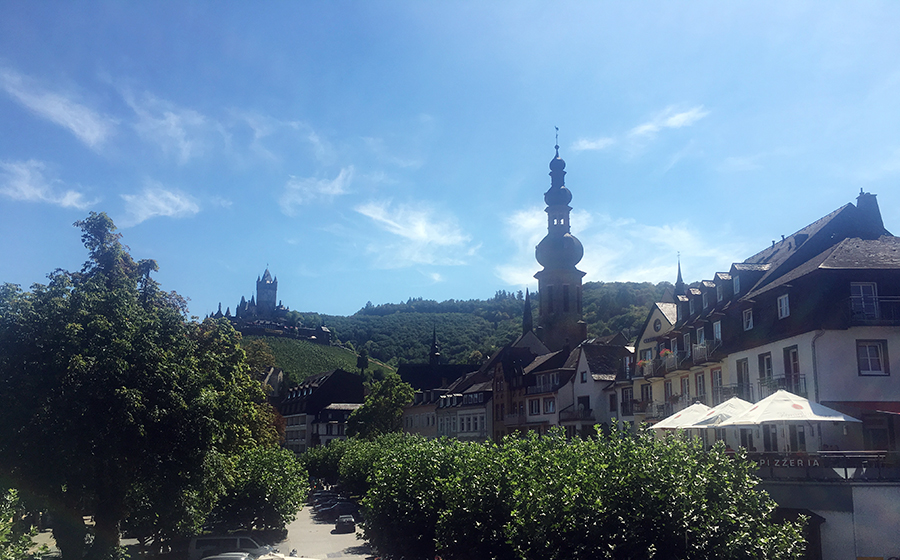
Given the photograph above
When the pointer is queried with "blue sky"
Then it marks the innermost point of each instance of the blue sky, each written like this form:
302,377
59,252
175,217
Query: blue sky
386,150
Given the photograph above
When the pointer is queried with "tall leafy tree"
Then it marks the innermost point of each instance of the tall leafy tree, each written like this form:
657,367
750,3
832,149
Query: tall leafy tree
112,403
382,411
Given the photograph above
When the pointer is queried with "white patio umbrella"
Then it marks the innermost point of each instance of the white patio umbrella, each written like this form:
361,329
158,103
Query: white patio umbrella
682,419
722,412
783,406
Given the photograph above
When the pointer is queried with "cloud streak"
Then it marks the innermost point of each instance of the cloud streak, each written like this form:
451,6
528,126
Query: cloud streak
175,130
301,191
610,246
89,126
415,235
26,181
155,200
668,119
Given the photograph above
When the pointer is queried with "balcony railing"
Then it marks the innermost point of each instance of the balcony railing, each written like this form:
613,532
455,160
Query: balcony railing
671,362
515,419
793,383
570,414
741,390
882,310
699,353
643,407
545,388
627,408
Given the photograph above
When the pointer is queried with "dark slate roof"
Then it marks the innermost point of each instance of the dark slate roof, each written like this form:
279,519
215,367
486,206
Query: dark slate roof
695,291
343,406
480,387
855,253
553,360
756,267
849,254
426,376
723,276
708,284
670,310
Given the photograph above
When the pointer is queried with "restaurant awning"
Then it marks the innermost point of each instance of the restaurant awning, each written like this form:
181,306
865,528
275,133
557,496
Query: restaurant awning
783,406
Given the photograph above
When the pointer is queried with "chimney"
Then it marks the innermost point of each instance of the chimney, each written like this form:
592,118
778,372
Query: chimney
869,216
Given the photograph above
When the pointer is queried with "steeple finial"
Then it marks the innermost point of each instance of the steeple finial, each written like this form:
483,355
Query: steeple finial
557,141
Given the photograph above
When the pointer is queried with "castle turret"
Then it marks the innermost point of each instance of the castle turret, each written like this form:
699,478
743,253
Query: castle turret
266,294
559,283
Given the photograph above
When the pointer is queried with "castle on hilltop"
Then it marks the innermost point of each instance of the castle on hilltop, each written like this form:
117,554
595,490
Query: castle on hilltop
261,316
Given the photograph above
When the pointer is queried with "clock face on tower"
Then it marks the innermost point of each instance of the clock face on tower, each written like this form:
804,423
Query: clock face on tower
657,324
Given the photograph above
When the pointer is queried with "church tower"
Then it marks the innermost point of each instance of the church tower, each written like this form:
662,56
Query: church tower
266,291
559,283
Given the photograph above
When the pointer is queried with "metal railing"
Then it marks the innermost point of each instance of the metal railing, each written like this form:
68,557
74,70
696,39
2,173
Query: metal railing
876,310
568,415
793,383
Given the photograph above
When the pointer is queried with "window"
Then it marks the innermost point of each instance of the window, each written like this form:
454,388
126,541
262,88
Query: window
627,401
864,300
687,344
716,382
700,383
717,331
770,437
613,403
701,336
765,365
748,319
691,304
647,393
791,361
584,377
686,386
736,282
784,306
549,406
743,379
674,344
667,390
705,300
871,356
720,292
534,407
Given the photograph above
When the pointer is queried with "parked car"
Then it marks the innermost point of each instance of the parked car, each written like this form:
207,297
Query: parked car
338,509
345,524
210,545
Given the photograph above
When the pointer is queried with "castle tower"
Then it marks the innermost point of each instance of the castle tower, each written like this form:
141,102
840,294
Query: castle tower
266,290
559,283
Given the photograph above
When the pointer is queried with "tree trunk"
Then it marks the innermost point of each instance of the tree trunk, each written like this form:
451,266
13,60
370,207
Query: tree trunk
69,531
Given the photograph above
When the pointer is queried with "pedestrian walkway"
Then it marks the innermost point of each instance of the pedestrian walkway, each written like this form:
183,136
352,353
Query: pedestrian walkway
316,539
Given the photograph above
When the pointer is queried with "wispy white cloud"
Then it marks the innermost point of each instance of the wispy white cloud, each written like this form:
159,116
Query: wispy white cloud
620,249
417,235
669,118
300,191
156,200
89,126
27,181
176,130
378,147
597,144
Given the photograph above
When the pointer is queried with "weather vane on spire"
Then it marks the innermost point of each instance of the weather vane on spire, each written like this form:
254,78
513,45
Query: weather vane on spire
557,136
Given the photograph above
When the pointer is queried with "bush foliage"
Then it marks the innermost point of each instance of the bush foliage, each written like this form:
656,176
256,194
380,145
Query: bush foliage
618,495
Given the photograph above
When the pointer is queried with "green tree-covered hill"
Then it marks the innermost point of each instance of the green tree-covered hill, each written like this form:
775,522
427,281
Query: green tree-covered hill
397,333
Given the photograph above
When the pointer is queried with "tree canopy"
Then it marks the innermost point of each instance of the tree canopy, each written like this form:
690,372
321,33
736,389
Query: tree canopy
382,410
112,403
616,496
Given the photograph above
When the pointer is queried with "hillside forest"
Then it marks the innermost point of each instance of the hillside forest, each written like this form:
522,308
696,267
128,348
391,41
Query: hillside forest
469,331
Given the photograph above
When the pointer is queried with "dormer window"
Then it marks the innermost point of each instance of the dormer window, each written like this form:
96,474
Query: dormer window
748,319
692,306
737,284
720,292
705,300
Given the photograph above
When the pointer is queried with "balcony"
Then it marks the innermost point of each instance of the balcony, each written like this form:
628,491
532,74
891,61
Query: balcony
883,310
570,414
794,383
515,420
643,407
627,408
740,390
545,388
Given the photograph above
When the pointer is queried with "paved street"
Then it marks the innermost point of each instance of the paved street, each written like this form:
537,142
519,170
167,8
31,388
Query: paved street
314,539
